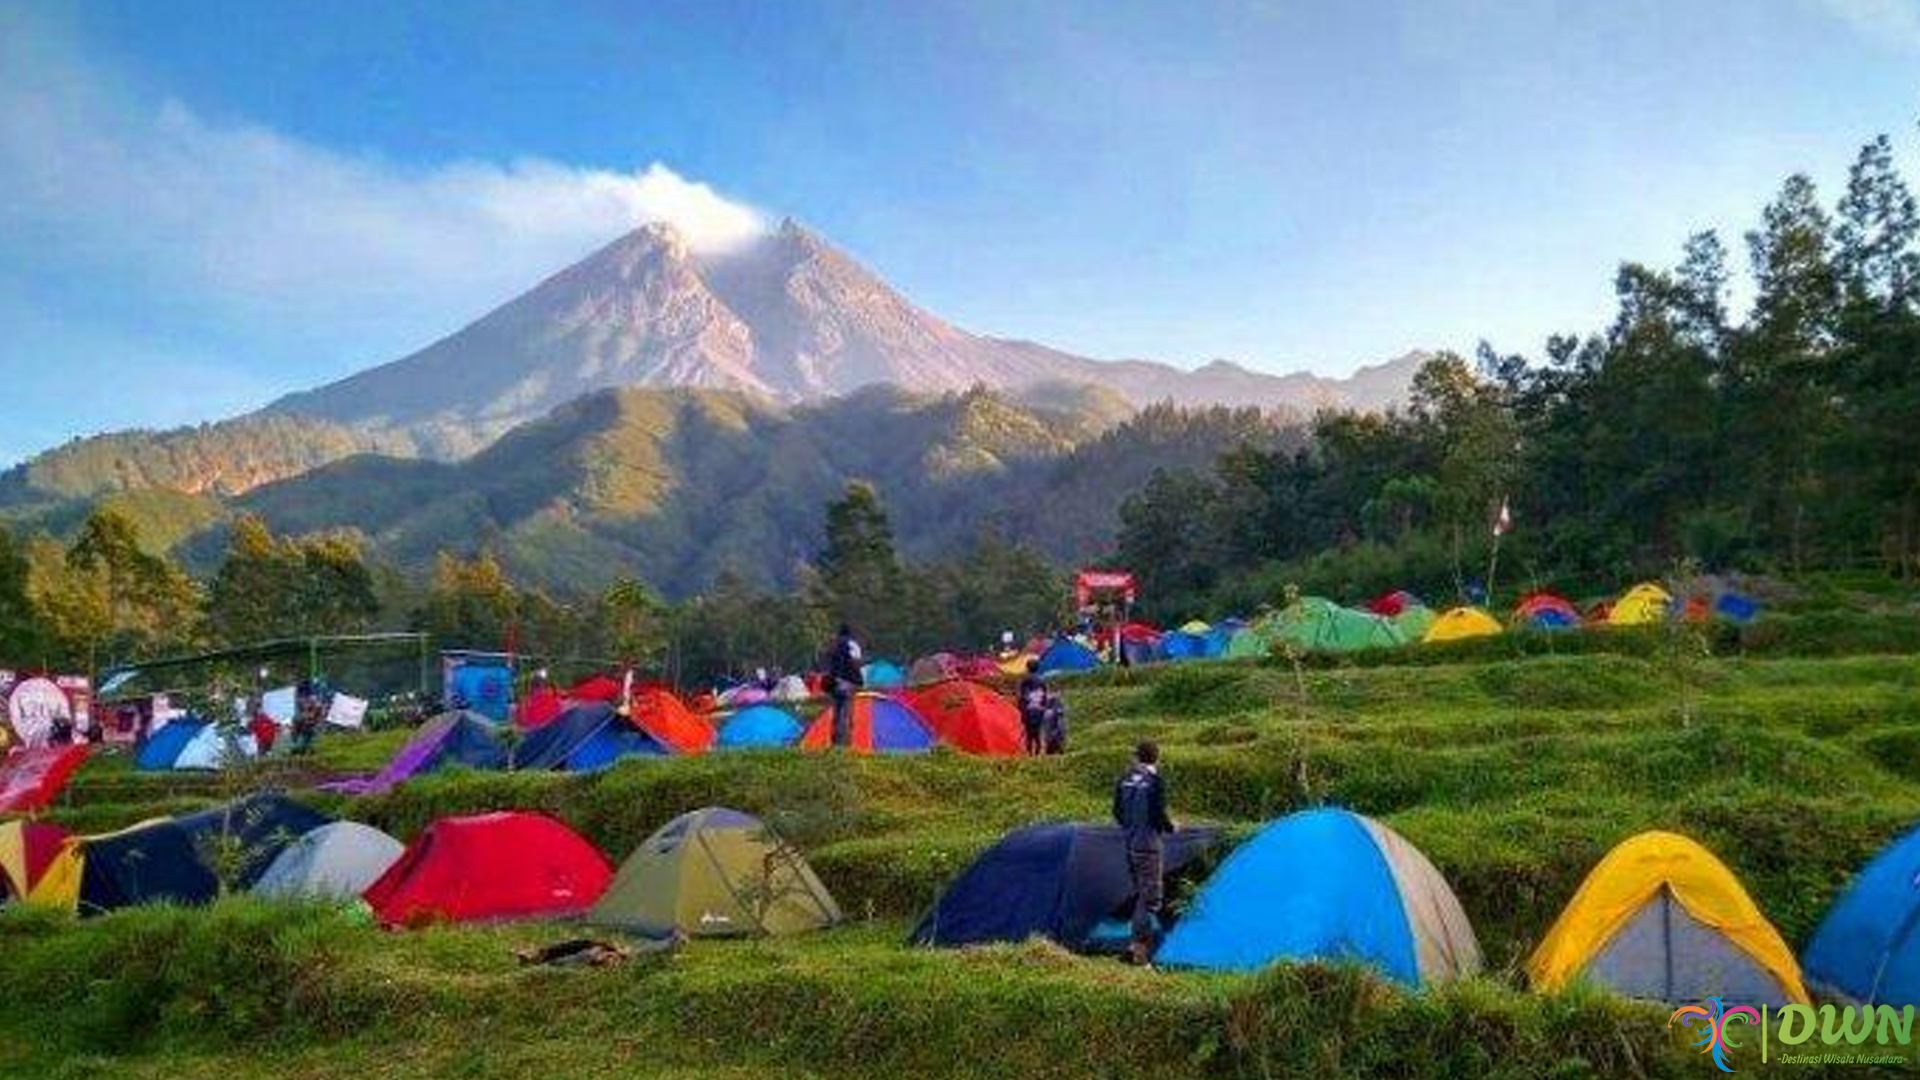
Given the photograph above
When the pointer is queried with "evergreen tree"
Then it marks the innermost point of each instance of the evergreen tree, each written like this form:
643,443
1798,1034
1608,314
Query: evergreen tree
859,577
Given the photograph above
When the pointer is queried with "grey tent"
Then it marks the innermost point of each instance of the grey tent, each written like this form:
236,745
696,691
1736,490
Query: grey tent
333,862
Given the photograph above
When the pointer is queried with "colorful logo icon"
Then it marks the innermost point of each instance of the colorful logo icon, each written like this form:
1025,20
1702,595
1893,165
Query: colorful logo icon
1715,1017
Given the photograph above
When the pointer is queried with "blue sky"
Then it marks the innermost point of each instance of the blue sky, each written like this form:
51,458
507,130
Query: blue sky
204,205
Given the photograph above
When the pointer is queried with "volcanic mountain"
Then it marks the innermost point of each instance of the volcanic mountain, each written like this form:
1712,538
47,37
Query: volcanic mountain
787,317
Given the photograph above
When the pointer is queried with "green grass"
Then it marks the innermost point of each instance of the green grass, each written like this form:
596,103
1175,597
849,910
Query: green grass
1515,773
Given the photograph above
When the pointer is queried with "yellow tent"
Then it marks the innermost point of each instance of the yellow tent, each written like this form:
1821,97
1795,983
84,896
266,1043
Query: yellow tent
1014,663
1194,626
1462,622
1661,918
1644,603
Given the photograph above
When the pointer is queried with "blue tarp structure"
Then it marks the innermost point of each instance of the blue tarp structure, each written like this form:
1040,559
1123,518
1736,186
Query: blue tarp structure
483,686
1868,947
1058,880
163,747
1066,654
585,737
759,726
168,860
1326,885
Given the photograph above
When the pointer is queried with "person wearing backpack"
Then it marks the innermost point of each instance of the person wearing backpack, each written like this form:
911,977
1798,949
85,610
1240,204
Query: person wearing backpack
1140,809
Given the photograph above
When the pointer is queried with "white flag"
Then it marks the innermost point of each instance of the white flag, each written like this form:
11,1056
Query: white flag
1503,523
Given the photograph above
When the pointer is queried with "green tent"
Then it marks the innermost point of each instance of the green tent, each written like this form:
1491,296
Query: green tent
1246,643
1317,624
1414,621
715,873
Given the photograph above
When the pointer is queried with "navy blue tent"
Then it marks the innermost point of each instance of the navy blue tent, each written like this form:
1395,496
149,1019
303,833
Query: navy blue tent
586,736
1868,947
164,745
167,860
469,743
1057,879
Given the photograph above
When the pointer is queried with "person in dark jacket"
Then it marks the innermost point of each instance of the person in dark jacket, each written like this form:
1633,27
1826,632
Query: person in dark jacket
1032,697
1140,809
1053,723
844,680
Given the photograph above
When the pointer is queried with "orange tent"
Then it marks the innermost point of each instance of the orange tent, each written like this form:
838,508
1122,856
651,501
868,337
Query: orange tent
656,711
970,717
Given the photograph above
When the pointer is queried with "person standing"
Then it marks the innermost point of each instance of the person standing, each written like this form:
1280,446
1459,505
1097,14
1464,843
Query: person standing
1032,697
844,680
1140,809
1053,722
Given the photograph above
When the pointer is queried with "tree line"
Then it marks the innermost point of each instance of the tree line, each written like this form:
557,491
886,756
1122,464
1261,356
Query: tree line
1783,441
103,598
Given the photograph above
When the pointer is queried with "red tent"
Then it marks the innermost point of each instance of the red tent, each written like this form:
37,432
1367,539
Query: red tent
1533,603
539,707
29,853
490,866
970,717
30,779
656,711
601,688
1393,603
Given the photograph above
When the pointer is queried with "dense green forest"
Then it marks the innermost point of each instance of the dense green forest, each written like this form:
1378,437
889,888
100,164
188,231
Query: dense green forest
1783,440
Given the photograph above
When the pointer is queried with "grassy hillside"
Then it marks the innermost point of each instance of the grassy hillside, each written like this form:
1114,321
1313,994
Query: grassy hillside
1513,774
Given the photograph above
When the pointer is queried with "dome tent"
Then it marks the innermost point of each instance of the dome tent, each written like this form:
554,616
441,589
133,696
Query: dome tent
759,726
450,740
1642,604
881,725
585,737
1066,654
715,873
502,865
1056,879
1316,624
1659,917
1461,623
333,862
970,717
1867,949
1327,885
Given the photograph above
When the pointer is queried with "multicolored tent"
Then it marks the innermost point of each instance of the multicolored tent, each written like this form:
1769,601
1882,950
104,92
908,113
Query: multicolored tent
1316,624
881,725
1661,918
970,717
1546,611
451,740
169,859
1327,885
1642,604
1461,623
506,865
30,779
715,873
759,726
27,848
333,862
1060,880
1867,949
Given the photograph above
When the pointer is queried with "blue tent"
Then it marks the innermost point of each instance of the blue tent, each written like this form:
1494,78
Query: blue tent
1182,645
1327,885
585,737
1552,619
163,747
1058,880
468,741
1141,652
883,675
759,726
167,860
1736,608
1066,654
1868,947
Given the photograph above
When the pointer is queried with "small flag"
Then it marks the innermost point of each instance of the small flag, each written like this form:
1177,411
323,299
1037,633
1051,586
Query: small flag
1504,523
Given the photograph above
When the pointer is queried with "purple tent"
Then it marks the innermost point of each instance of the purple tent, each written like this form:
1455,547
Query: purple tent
454,738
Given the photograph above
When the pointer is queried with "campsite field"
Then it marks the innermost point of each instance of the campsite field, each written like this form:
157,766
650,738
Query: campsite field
1515,766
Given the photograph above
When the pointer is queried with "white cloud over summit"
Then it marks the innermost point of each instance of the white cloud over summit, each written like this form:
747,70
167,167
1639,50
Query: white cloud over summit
233,214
